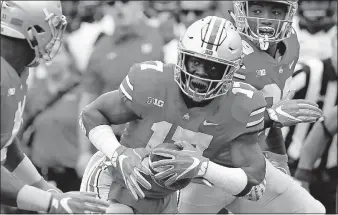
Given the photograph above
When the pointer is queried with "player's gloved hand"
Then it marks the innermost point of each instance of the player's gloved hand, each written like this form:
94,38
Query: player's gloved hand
187,163
290,111
77,202
128,163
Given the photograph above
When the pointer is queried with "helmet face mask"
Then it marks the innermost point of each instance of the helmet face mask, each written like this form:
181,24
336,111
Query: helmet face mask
223,53
40,23
265,30
47,51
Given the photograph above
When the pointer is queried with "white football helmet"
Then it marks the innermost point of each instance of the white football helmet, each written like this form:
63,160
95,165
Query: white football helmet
214,39
41,23
264,35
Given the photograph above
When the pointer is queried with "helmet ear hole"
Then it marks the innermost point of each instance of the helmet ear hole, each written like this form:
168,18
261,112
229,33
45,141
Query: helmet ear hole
38,29
31,36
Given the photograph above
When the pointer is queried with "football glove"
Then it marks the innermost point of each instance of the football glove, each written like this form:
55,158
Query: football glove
77,202
187,163
288,112
128,163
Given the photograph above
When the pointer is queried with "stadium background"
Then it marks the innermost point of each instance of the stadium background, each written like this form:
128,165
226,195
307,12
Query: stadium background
96,55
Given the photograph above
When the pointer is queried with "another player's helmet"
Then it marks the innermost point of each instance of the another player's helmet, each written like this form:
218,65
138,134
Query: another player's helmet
213,39
317,15
264,35
41,23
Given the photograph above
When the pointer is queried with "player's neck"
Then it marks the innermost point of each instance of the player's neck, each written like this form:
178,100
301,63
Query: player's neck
272,50
193,104
16,53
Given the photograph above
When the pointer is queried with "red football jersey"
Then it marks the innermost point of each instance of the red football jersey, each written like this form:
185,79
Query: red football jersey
13,98
155,97
264,72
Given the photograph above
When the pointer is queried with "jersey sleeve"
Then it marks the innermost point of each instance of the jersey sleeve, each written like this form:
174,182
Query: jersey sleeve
249,107
140,85
255,121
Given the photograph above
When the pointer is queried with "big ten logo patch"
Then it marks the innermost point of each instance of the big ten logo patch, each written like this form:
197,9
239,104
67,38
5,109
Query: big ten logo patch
156,102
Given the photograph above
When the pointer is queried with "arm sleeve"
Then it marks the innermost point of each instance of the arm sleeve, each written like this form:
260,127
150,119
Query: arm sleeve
255,120
133,90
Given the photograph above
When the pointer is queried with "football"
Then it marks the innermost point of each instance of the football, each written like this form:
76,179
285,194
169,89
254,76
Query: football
180,184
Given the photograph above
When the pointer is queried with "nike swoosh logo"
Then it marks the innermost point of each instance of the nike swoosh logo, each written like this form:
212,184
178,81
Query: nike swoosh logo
192,166
208,123
64,204
279,111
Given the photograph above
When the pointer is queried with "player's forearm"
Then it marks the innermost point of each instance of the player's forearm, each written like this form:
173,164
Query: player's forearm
96,118
107,109
97,128
14,156
20,165
16,194
267,120
237,181
275,141
104,139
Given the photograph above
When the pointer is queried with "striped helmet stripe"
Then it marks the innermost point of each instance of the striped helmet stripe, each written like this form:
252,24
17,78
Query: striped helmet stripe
214,33
208,32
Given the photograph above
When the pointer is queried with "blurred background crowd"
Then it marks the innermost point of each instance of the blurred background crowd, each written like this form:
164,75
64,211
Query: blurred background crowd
104,38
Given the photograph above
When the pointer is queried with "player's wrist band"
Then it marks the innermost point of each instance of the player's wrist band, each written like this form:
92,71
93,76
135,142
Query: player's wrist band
232,180
104,139
40,202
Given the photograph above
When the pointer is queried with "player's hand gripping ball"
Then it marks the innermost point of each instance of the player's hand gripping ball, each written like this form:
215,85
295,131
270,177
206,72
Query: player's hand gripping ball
179,184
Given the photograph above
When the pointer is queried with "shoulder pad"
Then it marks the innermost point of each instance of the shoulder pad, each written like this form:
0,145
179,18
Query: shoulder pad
143,82
248,106
292,46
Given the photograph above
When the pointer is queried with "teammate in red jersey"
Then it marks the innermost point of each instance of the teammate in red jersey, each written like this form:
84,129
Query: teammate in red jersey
30,32
264,25
271,51
194,101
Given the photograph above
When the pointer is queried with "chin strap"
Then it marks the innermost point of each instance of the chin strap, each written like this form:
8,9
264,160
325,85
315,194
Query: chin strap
263,43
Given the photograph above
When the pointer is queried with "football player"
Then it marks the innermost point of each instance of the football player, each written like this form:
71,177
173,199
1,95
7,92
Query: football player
271,51
269,59
31,32
194,101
